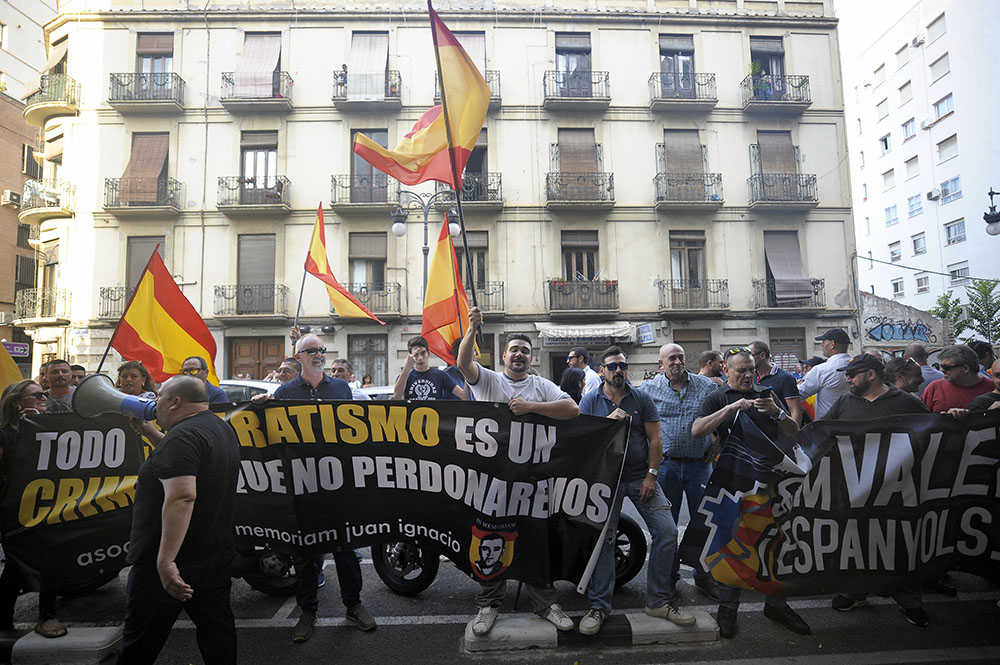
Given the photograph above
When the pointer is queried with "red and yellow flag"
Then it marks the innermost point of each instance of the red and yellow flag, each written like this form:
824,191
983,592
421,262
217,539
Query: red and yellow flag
160,327
423,153
446,308
9,372
343,302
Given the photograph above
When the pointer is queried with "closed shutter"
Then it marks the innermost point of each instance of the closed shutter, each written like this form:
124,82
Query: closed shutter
477,240
577,151
140,181
784,260
777,153
579,239
695,342
25,271
259,140
767,45
367,64
676,43
683,149
788,342
56,56
573,40
255,274
139,249
367,246
254,76
155,44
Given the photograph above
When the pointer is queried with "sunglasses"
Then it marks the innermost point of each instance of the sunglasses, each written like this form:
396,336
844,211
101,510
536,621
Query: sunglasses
42,395
948,368
191,371
614,367
314,350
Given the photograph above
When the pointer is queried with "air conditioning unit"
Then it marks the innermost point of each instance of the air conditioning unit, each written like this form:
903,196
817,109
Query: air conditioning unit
918,40
934,194
10,198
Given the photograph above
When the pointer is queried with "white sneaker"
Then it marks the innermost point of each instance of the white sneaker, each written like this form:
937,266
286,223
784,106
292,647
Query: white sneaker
558,618
592,621
672,614
483,623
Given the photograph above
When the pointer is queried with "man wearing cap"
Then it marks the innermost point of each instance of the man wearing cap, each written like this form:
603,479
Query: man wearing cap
871,398
825,381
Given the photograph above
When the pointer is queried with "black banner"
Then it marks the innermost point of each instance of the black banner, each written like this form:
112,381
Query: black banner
524,497
851,506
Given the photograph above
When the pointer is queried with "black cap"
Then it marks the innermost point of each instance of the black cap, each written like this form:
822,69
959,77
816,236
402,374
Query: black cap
863,363
838,335
815,360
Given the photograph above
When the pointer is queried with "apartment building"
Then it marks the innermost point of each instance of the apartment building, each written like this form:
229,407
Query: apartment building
924,150
645,174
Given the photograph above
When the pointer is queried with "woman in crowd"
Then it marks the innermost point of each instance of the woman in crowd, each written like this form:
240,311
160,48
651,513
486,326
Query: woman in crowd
367,381
23,400
134,379
572,383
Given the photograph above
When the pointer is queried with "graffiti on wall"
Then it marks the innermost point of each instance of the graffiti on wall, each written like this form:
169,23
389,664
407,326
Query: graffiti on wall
885,329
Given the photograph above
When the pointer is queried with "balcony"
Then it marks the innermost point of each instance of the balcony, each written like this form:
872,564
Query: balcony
782,191
778,94
492,77
375,192
682,295
256,93
380,298
577,91
58,94
41,307
479,191
688,191
147,93
676,91
367,93
142,197
41,201
111,302
579,191
764,297
490,296
254,196
251,302
573,298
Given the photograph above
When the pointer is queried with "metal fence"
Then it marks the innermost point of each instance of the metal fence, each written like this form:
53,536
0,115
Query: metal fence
111,301
561,186
771,88
682,85
567,295
56,88
41,303
490,296
384,85
135,192
693,294
694,187
492,77
46,194
366,188
584,84
764,295
378,297
778,187
270,190
164,87
478,187
238,299
238,85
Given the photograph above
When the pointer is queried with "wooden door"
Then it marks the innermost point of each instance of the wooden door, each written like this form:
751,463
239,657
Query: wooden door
254,357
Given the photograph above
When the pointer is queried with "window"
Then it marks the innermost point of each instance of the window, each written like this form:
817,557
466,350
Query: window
23,235
573,75
860,131
915,205
943,106
868,226
368,184
954,232
154,54
579,254
902,56
367,254
948,148
891,217
3,36
259,172
677,65
940,67
897,288
885,144
864,190
895,251
889,179
367,66
923,282
879,75
29,166
936,28
24,271
882,108
255,273
862,158
138,251
909,129
912,167
951,190
919,244
768,54
958,272
478,254
687,259
369,355
905,93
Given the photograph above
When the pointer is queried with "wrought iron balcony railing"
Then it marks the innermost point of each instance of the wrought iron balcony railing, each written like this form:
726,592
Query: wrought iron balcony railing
572,296
381,85
46,194
243,299
41,304
55,88
682,85
132,87
693,294
139,192
263,85
489,294
782,188
378,297
771,88
111,301
253,191
365,188
478,188
765,296
492,77
689,187
562,186
579,84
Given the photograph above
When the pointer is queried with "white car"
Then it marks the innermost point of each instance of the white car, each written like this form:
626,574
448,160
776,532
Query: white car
241,390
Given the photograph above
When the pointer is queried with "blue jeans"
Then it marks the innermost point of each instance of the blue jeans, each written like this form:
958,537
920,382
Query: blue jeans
656,513
684,479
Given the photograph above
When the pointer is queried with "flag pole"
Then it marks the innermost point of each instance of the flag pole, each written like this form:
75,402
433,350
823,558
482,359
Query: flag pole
298,308
128,304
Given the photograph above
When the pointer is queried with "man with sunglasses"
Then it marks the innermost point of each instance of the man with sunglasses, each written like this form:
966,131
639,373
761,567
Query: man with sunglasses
197,367
615,398
579,358
961,383
825,381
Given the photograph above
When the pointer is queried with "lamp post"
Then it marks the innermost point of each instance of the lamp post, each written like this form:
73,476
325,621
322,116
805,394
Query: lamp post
409,199
992,218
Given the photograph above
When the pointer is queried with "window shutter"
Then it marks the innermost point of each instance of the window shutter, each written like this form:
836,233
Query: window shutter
255,262
155,44
676,43
777,153
367,246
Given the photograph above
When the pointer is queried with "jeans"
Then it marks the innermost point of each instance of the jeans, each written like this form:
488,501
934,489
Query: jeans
308,567
681,479
491,594
655,512
729,596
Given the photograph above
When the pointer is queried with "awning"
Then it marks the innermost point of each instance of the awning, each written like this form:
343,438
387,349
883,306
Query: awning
583,331
781,250
254,76
55,57
140,180
768,45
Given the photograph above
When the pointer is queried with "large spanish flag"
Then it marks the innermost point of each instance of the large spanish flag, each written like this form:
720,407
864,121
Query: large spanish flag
446,308
160,327
343,302
423,153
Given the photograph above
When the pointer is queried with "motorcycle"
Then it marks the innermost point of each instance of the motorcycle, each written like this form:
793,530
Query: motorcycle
266,570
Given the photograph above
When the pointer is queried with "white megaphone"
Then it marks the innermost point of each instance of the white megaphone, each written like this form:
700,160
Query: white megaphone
97,394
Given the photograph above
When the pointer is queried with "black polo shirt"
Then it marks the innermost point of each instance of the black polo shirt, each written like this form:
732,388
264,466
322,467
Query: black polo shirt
893,402
984,402
328,388
727,395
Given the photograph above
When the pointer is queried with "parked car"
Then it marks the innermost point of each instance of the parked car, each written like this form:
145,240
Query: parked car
241,390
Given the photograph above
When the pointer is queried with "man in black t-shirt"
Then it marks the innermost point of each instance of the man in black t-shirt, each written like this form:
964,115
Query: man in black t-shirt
989,400
419,381
181,544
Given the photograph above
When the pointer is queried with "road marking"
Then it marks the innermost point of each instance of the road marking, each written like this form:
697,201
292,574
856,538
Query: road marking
953,655
286,609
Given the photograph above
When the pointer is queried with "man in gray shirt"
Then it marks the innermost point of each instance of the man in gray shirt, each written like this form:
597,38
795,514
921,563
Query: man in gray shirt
918,352
61,387
826,381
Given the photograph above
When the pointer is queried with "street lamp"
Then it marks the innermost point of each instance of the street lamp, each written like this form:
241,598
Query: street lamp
409,199
992,218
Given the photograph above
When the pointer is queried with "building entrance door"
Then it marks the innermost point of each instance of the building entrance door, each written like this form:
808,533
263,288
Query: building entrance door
254,357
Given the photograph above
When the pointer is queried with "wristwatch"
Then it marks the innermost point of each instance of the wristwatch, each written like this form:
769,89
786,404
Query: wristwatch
782,416
654,472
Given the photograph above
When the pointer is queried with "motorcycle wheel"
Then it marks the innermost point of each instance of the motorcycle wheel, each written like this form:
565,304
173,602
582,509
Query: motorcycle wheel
406,567
271,574
630,550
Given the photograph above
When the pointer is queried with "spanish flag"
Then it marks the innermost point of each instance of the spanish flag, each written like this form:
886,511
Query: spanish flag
445,304
9,372
346,305
423,153
160,327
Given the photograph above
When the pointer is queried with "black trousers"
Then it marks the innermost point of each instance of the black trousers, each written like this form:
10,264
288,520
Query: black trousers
12,585
152,612
308,567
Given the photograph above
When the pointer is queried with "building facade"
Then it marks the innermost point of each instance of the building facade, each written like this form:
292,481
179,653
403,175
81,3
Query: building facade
923,148
648,172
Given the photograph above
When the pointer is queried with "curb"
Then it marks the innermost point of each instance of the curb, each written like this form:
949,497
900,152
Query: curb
80,646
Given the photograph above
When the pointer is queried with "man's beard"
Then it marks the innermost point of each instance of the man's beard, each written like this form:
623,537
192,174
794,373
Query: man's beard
618,380
859,389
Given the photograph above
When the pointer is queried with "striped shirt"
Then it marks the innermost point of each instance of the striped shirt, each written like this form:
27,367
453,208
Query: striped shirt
678,411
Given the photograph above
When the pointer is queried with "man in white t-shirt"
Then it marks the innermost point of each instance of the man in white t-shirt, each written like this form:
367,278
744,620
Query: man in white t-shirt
580,358
523,393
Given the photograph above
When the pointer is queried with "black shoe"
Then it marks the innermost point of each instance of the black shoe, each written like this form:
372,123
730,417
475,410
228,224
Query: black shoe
915,615
843,603
726,618
706,585
788,618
